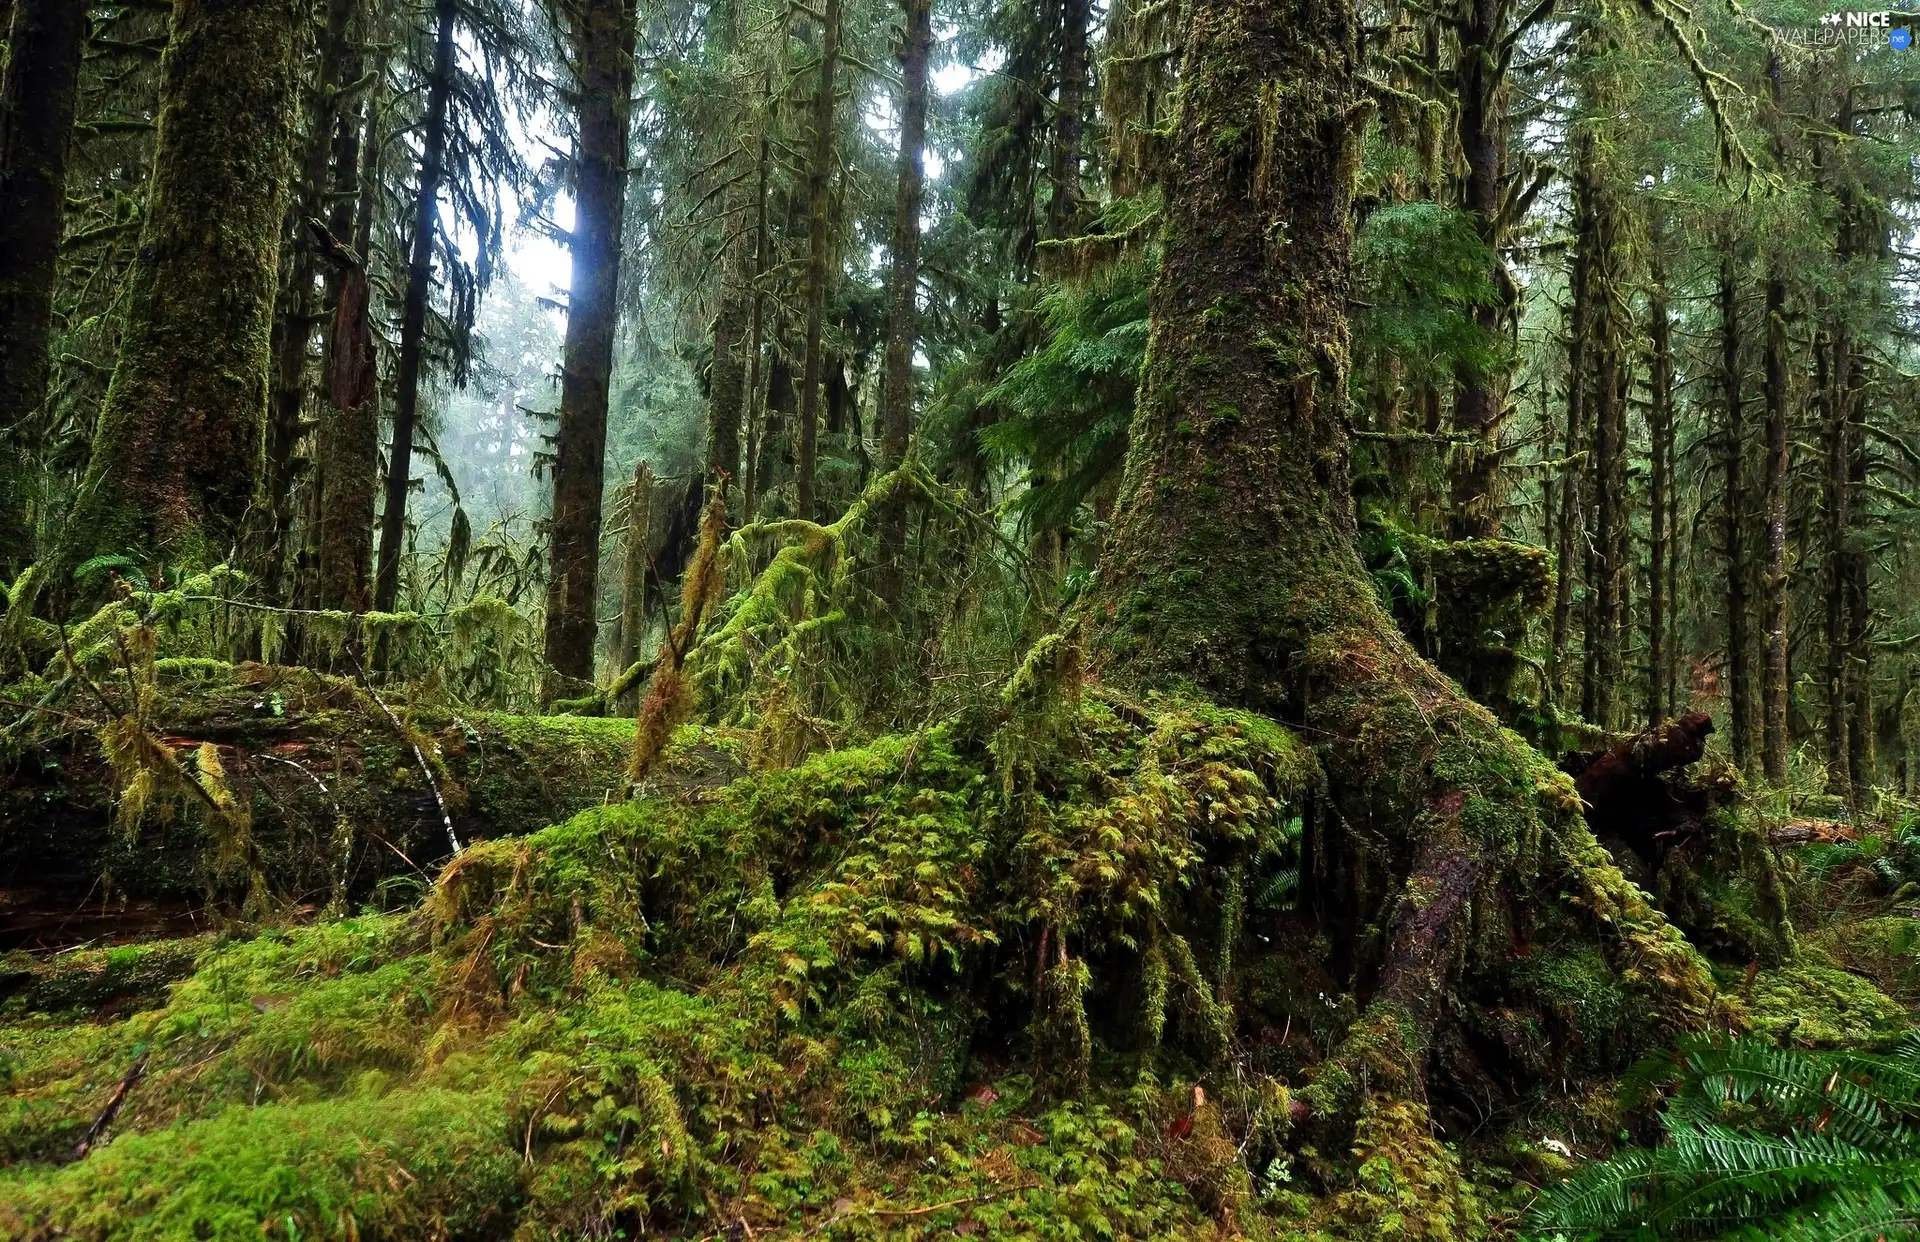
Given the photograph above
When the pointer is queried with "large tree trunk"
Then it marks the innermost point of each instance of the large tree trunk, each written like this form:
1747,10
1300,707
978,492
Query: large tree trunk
413,314
37,99
1608,545
1234,572
1773,576
1063,209
903,284
819,239
756,391
177,454
603,33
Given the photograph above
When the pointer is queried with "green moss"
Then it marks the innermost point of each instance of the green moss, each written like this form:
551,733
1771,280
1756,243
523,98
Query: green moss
1811,1006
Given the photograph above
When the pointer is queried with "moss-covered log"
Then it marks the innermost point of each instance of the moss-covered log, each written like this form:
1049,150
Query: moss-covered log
1447,858
178,451
333,791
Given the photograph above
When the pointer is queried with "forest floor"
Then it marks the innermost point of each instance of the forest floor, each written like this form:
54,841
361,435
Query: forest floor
827,1001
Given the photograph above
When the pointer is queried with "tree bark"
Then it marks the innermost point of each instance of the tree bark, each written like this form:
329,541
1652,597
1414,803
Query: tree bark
1773,578
1733,511
1660,487
413,315
1063,172
1234,570
1571,526
177,454
756,391
293,328
45,41
1607,464
903,286
819,240
1474,511
346,481
603,34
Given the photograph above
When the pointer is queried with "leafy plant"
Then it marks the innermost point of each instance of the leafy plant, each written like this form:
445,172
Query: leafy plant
1759,1141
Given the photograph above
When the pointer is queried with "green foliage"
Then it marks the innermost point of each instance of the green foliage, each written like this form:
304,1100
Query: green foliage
1419,271
1070,402
1759,1141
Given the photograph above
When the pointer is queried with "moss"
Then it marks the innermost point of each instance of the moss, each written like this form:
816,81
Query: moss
1811,1006
131,976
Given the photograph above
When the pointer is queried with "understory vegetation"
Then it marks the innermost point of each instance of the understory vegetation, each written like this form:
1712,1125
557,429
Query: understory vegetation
901,619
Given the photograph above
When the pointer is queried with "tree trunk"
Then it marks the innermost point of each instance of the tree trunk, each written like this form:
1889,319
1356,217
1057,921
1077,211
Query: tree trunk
1855,569
726,378
1833,365
38,96
1234,572
756,392
1474,511
1608,467
1572,506
1063,172
633,567
413,315
177,454
293,329
346,481
1660,487
819,239
603,34
1773,581
896,397
1733,510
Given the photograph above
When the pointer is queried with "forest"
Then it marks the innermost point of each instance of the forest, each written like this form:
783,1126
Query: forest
1007,619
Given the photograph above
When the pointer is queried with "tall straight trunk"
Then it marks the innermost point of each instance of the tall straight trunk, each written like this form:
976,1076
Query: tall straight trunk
299,303
1856,570
602,52
346,482
819,241
1733,512
1474,508
1773,573
903,284
756,391
1660,498
1572,506
1608,466
177,453
1234,573
726,378
1833,367
45,41
1063,167
413,315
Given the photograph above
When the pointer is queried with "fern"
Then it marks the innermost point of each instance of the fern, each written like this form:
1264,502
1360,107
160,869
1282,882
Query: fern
1760,1142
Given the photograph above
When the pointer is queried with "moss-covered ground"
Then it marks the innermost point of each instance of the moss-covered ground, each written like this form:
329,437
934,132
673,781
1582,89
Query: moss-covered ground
1035,977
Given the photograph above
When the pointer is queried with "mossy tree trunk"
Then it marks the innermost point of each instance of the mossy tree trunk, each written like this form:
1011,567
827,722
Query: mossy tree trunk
903,284
299,300
602,54
1572,510
1733,508
819,241
177,454
413,314
347,449
1661,549
45,40
1441,842
1773,573
1475,509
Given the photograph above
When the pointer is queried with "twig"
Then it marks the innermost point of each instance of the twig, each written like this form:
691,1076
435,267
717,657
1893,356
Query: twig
425,770
111,1111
